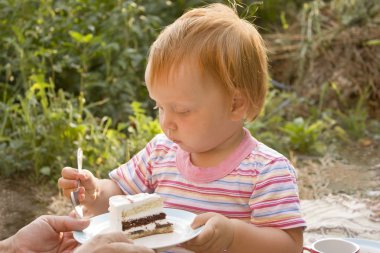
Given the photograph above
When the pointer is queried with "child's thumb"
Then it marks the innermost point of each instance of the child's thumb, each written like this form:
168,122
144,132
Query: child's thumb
201,219
90,184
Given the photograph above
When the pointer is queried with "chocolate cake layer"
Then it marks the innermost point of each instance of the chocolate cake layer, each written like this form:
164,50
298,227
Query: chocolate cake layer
142,221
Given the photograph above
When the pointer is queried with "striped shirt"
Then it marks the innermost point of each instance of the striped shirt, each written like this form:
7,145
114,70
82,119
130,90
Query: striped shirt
255,183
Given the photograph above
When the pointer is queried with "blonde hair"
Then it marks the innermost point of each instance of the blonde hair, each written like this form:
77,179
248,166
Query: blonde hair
229,47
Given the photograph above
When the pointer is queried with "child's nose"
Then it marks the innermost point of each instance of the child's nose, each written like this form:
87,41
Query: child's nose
167,121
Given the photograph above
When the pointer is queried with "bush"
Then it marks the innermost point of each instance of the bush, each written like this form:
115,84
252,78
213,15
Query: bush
97,48
48,126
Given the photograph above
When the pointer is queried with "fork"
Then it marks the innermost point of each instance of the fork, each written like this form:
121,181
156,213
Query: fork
74,194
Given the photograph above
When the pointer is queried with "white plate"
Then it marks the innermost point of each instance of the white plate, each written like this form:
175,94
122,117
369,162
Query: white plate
181,223
366,246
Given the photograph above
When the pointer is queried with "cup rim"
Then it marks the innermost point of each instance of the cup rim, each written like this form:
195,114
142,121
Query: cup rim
356,250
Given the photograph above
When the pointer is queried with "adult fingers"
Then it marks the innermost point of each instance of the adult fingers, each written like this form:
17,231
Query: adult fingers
117,247
112,237
65,223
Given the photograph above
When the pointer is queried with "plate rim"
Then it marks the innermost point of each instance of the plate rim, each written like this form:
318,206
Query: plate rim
365,242
78,235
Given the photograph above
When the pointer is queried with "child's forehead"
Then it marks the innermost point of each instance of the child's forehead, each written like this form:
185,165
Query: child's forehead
173,71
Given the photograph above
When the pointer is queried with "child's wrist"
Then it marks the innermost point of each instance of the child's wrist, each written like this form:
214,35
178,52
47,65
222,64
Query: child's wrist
232,240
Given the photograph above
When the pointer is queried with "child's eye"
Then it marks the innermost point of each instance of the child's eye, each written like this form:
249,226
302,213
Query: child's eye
182,111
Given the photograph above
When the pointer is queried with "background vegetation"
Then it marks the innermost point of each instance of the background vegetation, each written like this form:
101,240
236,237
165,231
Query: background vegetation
71,74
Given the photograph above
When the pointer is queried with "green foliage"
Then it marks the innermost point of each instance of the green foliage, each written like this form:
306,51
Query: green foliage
354,119
41,132
68,67
96,47
304,136
285,135
266,127
142,128
351,12
273,12
91,51
43,128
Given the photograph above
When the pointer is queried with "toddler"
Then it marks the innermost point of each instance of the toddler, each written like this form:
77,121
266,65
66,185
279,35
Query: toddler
207,73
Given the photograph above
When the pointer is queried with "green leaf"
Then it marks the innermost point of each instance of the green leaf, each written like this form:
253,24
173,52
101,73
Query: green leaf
78,37
373,43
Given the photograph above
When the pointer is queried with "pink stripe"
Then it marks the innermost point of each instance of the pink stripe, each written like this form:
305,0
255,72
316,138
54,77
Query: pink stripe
244,173
280,222
217,191
149,148
140,176
272,203
162,147
164,164
195,209
288,224
267,157
273,180
125,182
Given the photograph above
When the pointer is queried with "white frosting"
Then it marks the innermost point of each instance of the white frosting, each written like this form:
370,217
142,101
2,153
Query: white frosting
128,202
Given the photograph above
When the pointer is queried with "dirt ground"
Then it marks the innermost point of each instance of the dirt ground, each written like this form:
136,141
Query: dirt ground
353,171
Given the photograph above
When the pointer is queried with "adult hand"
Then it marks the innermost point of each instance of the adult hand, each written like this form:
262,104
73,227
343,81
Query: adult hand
47,234
217,235
111,243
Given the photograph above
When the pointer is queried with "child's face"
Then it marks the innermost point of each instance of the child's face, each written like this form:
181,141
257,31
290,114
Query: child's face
194,111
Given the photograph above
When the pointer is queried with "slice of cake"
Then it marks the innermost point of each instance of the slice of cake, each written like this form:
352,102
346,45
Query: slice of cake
138,215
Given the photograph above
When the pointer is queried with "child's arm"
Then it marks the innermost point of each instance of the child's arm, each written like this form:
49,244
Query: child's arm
93,192
221,233
265,239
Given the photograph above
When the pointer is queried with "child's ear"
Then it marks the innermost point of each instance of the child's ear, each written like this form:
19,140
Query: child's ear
238,106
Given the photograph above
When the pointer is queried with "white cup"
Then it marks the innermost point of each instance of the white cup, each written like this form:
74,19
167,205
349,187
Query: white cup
333,245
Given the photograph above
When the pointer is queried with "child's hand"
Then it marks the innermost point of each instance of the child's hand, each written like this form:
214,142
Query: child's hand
216,236
88,184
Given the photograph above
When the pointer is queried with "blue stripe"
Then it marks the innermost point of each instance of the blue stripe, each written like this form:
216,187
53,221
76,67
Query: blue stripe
202,201
275,168
268,214
137,183
290,187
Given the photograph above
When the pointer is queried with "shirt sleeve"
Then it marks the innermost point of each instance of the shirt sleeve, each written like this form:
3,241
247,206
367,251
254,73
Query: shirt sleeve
275,200
134,176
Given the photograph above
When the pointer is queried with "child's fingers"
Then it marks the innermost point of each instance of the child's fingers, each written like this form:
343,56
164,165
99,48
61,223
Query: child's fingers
86,178
201,219
67,184
82,194
70,173
203,241
89,182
